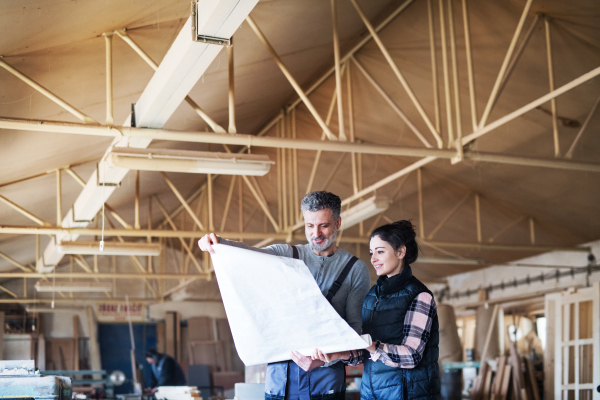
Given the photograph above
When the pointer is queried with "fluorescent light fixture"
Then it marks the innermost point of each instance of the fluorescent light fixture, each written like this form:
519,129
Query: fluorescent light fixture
450,260
47,310
110,248
48,287
364,211
199,162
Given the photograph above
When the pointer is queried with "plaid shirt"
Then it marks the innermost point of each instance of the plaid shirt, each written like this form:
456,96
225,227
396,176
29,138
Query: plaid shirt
417,328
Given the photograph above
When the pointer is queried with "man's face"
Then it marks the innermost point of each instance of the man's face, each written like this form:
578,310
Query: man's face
150,360
320,228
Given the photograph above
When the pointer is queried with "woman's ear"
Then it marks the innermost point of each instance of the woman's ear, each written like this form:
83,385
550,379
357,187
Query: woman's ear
401,252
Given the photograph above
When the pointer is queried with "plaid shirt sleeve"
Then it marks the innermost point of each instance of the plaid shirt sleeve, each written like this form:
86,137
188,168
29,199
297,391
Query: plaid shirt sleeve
417,328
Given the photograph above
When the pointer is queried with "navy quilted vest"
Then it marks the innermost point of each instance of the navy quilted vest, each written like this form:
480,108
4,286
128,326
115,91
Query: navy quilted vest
383,315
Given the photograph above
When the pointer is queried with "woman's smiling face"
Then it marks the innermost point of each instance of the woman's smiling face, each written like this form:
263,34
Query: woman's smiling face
383,257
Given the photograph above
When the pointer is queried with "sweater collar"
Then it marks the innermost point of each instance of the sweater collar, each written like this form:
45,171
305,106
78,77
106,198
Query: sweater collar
391,285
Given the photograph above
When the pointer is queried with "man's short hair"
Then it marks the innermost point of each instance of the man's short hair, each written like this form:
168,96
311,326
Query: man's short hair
321,200
151,353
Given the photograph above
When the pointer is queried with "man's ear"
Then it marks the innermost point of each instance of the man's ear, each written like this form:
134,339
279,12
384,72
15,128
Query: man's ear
338,223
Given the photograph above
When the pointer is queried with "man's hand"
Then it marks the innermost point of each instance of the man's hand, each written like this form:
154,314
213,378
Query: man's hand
329,357
149,391
206,242
306,363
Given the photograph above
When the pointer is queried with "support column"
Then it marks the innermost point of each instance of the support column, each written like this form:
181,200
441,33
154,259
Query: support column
94,348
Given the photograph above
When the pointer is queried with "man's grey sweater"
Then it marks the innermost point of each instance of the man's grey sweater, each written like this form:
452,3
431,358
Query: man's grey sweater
349,299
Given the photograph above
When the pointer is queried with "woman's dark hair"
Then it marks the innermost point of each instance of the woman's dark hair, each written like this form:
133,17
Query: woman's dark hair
398,234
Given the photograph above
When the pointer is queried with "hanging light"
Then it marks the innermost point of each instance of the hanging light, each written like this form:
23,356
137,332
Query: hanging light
199,162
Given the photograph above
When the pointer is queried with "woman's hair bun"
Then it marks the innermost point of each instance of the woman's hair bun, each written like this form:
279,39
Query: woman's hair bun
398,234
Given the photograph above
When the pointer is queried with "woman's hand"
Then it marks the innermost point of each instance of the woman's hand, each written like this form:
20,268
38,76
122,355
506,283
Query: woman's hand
329,357
371,348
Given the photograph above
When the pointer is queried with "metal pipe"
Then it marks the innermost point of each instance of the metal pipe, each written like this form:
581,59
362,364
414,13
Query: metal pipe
109,79
116,215
35,230
551,82
313,171
518,53
583,128
24,212
183,243
213,125
420,190
447,216
232,128
446,75
15,262
8,291
495,90
262,204
227,203
290,78
334,171
338,73
182,200
454,73
86,119
468,50
295,157
505,228
478,217
75,176
211,223
100,275
351,125
283,166
388,179
367,38
241,209
532,230
303,144
58,198
391,102
434,78
536,103
137,200
398,74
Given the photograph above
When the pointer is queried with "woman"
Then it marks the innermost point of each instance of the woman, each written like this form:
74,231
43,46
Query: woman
400,315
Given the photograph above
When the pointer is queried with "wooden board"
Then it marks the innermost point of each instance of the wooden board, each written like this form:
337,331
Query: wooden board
76,339
531,381
487,383
160,337
201,328
60,354
498,378
506,380
207,352
170,320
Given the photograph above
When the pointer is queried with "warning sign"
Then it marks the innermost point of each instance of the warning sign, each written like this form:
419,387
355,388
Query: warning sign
117,311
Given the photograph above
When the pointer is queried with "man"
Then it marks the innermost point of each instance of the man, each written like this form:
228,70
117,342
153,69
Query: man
165,371
305,379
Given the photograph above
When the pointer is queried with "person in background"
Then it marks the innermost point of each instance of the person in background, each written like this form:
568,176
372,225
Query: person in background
304,378
400,314
165,371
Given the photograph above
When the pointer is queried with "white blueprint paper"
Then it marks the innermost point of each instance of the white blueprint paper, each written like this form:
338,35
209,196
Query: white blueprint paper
274,306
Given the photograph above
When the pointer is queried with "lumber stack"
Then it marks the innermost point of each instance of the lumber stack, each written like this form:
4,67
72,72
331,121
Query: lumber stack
513,379
178,393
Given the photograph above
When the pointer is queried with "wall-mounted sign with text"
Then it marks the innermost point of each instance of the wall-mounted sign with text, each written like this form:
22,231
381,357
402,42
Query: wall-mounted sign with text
116,311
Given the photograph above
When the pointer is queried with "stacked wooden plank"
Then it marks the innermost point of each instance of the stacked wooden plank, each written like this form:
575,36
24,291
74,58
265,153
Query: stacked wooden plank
178,393
513,379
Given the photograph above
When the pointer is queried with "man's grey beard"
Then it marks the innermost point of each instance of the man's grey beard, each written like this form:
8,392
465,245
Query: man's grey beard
325,245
